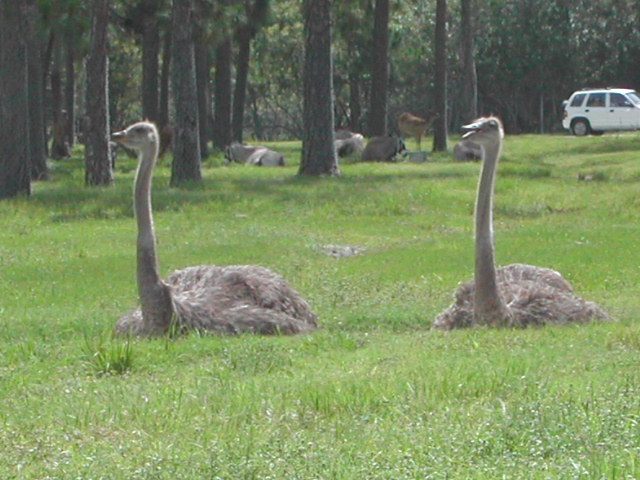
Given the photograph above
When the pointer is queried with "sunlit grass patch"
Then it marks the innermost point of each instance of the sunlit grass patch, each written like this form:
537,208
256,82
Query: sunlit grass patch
374,393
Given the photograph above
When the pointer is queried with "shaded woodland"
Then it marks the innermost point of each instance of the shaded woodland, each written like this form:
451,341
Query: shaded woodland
212,72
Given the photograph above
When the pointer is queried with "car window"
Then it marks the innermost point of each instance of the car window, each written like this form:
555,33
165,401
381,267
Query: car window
633,96
619,100
577,99
596,100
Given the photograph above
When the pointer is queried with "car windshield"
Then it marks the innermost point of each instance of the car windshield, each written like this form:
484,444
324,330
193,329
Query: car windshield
633,96
619,100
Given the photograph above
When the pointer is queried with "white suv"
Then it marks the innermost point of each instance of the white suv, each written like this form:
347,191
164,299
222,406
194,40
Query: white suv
597,111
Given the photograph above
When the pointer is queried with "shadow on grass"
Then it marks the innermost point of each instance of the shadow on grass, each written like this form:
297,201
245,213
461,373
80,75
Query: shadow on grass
67,199
225,189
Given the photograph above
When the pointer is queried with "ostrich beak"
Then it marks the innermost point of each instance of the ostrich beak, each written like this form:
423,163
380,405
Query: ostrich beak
119,137
471,129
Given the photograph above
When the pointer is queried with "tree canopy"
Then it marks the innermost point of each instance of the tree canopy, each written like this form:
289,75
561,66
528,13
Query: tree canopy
527,56
527,53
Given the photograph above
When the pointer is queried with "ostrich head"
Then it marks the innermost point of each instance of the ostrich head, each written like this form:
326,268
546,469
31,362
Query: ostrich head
137,136
484,131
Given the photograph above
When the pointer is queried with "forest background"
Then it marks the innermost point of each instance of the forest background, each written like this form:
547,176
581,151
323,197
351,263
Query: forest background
514,58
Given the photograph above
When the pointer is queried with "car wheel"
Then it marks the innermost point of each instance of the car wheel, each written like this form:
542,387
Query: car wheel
580,127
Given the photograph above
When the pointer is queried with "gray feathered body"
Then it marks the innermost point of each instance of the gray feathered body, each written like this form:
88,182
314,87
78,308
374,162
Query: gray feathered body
224,300
534,296
517,295
229,300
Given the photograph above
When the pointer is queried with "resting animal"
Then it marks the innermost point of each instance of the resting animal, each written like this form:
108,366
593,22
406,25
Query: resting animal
260,156
383,149
347,143
467,150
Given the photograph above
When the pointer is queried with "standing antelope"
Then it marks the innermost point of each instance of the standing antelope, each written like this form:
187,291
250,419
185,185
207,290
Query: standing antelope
412,126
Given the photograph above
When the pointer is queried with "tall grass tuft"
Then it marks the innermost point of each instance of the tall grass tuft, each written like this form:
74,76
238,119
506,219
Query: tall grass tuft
108,357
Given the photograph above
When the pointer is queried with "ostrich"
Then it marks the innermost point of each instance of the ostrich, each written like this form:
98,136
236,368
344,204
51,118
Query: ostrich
517,295
225,300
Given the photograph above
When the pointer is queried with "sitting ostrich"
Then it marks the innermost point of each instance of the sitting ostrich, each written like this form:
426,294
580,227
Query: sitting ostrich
517,295
226,300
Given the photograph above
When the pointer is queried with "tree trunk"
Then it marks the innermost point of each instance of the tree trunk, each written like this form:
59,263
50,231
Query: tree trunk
37,140
222,94
245,33
318,152
59,146
150,50
469,93
355,109
257,12
440,93
203,78
14,104
70,89
258,128
186,141
379,70
163,116
97,153
46,67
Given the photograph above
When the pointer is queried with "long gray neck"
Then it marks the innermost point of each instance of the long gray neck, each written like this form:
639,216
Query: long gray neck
155,298
489,306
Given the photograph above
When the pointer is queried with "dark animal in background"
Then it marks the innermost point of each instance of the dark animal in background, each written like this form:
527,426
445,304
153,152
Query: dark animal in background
260,156
412,126
383,149
225,300
466,150
517,295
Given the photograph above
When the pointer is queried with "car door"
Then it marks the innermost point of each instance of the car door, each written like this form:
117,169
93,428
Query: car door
622,113
597,112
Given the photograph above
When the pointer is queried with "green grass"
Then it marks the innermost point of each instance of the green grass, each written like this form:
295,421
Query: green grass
374,394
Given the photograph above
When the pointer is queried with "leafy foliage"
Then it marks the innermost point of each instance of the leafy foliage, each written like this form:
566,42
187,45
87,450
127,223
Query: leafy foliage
530,56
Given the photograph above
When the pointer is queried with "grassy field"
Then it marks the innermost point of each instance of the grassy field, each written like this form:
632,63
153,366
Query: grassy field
374,394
